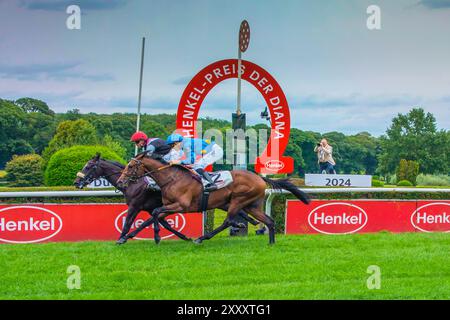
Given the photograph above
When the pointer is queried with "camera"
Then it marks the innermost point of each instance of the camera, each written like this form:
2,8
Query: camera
318,144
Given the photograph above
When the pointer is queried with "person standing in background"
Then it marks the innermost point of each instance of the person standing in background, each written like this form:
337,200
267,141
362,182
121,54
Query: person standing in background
325,157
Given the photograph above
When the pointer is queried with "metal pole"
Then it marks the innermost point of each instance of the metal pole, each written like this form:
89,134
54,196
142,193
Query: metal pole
138,120
238,109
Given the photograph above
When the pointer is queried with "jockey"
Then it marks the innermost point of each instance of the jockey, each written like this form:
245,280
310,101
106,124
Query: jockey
191,147
154,146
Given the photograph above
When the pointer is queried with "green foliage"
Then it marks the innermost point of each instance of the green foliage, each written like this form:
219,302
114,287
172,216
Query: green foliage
408,170
65,163
26,126
70,133
25,170
115,146
31,105
414,137
405,183
377,183
2,174
433,180
353,154
13,132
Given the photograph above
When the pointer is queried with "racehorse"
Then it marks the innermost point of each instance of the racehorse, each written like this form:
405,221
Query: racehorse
138,197
182,192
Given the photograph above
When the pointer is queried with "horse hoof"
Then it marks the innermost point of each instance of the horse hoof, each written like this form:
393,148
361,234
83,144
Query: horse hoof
198,241
121,241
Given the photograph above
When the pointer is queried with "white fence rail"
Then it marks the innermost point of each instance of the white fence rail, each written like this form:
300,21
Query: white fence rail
269,192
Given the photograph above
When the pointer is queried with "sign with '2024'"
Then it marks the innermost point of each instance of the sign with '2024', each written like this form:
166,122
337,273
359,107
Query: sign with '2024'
361,216
338,180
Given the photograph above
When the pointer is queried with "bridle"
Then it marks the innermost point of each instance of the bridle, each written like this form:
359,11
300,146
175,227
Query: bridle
133,176
88,178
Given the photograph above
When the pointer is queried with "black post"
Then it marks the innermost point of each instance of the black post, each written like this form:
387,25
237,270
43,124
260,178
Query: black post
239,122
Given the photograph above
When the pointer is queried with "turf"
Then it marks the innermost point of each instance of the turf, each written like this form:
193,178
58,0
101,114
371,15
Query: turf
413,266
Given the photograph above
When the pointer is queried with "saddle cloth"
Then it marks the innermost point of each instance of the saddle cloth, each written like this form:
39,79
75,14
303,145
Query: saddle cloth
220,178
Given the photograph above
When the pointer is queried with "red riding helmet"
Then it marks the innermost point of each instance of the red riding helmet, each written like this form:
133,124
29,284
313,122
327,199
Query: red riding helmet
139,135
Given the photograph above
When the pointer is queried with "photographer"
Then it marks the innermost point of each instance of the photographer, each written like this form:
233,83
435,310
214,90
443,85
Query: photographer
324,156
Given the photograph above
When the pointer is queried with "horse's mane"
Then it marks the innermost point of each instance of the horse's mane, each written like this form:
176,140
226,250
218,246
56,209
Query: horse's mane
118,164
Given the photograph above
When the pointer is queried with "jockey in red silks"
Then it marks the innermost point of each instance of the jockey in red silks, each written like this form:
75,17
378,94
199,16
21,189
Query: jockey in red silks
154,146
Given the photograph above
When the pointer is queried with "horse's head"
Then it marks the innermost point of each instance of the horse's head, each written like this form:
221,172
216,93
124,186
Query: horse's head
89,173
132,172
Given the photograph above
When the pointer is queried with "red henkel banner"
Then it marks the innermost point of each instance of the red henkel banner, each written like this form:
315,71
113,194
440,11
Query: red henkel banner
80,222
361,216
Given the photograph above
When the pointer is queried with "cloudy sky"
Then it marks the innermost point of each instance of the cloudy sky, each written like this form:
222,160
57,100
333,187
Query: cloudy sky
336,74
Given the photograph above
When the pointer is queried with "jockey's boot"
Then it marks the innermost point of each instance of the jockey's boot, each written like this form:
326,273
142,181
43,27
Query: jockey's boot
211,186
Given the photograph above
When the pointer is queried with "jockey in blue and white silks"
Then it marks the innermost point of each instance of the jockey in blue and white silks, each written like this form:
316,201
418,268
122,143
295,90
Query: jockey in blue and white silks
209,151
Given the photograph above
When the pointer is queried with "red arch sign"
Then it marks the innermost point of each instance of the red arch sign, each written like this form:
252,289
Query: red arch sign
271,160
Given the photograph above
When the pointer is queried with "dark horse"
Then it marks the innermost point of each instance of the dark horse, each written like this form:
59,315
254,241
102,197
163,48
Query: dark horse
138,197
182,193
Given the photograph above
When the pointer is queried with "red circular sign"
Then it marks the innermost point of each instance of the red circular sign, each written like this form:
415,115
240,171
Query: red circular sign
271,161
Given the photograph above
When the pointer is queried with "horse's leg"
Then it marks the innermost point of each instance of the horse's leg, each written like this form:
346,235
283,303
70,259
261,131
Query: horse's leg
258,214
145,224
167,226
131,215
247,218
219,229
243,214
163,222
164,211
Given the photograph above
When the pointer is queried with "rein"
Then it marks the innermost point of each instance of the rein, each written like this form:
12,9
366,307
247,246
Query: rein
148,173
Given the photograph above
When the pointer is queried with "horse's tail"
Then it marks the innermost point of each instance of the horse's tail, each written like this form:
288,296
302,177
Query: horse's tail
286,184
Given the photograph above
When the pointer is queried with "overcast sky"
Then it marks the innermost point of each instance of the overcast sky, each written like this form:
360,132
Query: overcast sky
337,75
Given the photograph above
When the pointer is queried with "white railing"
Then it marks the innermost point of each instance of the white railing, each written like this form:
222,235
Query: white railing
269,192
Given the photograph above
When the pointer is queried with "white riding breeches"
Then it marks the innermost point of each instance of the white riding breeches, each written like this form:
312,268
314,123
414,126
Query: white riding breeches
215,154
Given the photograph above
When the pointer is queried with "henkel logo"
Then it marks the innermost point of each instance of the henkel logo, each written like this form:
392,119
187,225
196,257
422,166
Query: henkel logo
274,165
432,217
337,218
28,224
177,221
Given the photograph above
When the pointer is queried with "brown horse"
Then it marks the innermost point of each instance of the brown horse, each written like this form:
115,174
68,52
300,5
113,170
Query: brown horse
182,192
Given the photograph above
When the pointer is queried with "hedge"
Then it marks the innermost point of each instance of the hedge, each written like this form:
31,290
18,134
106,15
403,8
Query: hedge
64,164
25,170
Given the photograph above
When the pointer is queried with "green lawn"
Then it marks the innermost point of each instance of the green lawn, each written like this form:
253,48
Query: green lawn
413,266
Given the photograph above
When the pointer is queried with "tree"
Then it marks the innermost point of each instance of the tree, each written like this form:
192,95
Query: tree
70,133
115,146
408,170
414,137
13,131
40,121
33,105
25,170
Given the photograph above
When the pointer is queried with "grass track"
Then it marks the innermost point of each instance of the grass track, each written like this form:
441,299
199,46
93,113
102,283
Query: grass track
413,266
